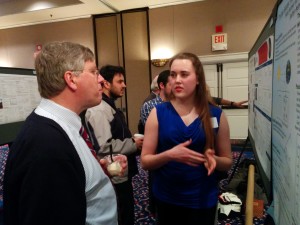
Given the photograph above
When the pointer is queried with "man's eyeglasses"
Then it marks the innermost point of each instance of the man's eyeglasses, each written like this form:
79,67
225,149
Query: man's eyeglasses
95,72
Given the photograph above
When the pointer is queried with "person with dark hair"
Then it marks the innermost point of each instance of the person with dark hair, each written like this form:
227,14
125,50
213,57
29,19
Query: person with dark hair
112,133
51,175
186,140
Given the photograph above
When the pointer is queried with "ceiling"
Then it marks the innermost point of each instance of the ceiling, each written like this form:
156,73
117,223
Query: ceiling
16,13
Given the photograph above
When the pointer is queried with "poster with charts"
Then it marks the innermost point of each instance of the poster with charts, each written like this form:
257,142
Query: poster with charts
260,101
286,114
18,97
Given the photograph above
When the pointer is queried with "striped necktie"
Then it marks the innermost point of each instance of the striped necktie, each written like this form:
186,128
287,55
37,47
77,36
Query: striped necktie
87,140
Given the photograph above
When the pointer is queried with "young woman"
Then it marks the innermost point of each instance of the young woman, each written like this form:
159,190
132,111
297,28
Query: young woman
186,141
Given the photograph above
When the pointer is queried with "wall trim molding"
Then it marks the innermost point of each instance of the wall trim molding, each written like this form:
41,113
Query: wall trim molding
224,58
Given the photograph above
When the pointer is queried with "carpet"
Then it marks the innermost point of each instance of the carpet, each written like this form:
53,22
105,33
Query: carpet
140,185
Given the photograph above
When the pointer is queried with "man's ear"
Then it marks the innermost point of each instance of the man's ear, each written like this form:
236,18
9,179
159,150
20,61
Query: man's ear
161,86
106,84
70,79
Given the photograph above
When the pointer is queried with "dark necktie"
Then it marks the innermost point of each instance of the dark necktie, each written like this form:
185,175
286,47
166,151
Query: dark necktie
87,140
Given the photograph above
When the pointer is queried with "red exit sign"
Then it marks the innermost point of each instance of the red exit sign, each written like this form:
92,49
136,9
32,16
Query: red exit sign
220,38
219,41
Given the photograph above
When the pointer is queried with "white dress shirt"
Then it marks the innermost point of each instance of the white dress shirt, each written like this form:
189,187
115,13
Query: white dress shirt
100,195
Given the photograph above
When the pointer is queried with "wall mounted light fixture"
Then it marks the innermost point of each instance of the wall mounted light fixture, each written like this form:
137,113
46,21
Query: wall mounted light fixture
159,62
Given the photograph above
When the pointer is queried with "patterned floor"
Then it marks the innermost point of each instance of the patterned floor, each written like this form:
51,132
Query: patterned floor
143,216
4,149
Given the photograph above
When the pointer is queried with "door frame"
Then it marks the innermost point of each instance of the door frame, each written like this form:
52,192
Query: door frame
224,58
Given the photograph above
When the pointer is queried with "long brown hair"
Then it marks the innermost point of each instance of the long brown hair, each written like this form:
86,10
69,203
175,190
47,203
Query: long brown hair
201,96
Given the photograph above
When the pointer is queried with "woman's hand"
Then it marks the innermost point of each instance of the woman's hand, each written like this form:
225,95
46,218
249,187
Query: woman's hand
210,162
181,153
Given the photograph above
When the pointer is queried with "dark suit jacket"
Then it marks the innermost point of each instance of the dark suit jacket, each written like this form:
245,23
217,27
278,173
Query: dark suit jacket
44,182
152,95
141,127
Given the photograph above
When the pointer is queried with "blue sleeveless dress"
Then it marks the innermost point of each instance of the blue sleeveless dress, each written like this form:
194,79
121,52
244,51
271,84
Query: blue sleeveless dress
177,183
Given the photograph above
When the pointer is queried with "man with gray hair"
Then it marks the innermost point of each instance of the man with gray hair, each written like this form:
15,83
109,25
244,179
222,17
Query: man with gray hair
51,175
164,88
154,90
154,93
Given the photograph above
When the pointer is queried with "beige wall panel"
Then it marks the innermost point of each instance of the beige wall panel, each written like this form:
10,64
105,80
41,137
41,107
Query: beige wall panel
136,64
17,45
161,33
109,45
107,40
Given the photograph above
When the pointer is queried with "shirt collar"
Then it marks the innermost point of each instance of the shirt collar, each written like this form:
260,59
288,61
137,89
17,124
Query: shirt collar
50,109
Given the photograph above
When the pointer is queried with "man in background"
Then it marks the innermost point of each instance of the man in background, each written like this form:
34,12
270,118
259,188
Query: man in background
164,93
154,92
154,89
112,133
51,175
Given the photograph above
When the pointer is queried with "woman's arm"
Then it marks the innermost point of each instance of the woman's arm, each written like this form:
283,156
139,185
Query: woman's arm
149,159
222,146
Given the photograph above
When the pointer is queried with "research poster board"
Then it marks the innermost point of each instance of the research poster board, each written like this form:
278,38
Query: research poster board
286,114
260,102
18,97
260,99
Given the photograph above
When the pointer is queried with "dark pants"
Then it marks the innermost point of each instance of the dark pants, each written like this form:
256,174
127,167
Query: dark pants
125,201
168,214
